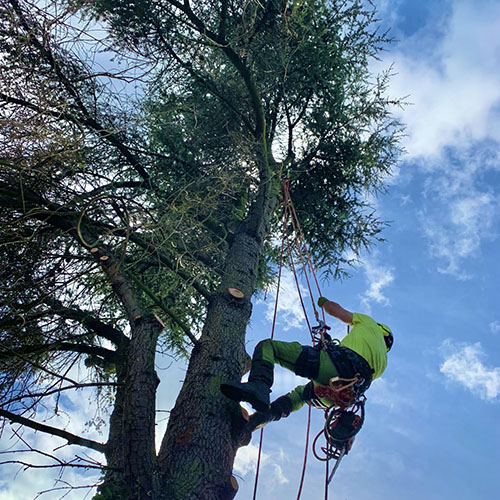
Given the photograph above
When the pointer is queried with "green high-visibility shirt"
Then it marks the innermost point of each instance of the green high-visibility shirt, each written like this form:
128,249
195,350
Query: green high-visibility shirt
367,339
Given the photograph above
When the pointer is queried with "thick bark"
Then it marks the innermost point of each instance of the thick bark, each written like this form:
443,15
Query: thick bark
136,407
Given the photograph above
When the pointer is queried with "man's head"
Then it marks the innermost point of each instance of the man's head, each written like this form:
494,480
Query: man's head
388,337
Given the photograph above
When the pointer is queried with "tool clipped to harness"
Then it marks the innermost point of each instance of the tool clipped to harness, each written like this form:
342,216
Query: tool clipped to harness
340,429
320,333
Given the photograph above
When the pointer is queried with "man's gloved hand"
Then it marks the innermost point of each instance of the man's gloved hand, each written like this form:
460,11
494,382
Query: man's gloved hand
279,409
321,301
260,418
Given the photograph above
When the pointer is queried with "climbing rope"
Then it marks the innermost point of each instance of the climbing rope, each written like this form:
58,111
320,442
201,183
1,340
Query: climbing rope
296,243
259,454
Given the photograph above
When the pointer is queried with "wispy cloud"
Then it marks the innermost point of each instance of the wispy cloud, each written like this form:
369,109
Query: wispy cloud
463,364
378,277
460,211
246,459
246,462
290,311
449,70
279,475
495,326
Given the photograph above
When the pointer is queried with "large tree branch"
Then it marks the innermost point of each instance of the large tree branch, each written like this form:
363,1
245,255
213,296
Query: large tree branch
88,122
88,321
46,393
157,300
54,431
71,223
58,216
135,238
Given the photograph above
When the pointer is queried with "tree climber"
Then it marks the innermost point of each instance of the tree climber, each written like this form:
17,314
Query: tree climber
360,357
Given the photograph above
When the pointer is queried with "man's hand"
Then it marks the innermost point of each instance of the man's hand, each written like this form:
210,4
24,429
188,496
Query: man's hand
321,301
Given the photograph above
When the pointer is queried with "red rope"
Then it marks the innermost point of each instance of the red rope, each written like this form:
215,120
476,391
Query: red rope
327,469
306,262
257,469
285,222
301,244
302,477
292,265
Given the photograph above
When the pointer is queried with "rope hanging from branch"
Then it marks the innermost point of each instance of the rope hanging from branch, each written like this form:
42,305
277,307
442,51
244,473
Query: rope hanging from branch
293,243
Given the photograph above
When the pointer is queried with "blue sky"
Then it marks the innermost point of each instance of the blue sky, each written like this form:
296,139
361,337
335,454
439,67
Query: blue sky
431,429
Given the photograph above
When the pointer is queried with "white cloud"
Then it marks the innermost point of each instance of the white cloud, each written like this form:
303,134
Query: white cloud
463,364
460,211
449,69
246,463
289,307
452,78
279,475
246,459
378,277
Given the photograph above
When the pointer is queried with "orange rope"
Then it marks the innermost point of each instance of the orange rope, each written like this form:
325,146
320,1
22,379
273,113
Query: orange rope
289,213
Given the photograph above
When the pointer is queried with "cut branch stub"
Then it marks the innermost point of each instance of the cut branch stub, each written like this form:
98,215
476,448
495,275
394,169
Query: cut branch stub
245,414
234,483
235,293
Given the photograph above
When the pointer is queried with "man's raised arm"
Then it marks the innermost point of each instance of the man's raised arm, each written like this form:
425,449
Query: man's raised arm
335,310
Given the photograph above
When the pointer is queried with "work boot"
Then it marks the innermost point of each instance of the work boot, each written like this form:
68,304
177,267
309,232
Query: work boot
256,393
256,390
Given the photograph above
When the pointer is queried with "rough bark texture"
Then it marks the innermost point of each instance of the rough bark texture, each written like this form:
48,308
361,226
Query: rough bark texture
114,451
139,458
197,454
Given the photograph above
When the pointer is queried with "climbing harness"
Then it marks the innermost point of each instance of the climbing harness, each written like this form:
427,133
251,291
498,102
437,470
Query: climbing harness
343,420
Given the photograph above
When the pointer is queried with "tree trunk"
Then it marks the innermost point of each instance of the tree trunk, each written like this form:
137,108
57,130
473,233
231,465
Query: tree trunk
203,434
139,411
114,446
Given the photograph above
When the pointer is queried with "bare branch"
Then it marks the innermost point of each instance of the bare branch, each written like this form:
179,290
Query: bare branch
54,431
61,389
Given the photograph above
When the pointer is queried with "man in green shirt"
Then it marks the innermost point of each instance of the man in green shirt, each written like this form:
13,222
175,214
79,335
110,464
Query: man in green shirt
360,356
